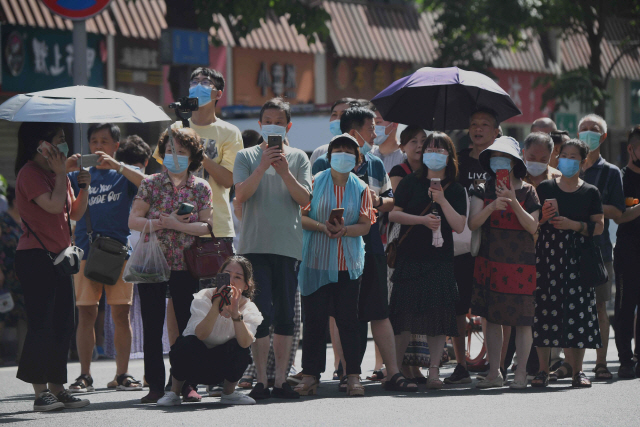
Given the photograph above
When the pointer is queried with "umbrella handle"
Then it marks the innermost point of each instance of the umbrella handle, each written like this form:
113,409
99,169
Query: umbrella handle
80,159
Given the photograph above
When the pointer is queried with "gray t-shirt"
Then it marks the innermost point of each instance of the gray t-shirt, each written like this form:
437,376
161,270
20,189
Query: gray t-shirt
271,221
390,160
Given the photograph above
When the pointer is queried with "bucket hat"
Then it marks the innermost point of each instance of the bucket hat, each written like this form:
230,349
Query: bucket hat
508,145
345,138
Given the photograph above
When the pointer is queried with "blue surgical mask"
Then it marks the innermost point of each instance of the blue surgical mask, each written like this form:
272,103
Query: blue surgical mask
183,163
334,127
366,147
202,93
435,161
500,163
591,138
343,162
64,148
380,135
267,130
568,167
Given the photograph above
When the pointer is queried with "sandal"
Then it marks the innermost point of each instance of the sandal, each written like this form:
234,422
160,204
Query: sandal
376,376
355,389
126,382
307,389
580,380
114,383
398,382
342,386
564,371
540,380
246,382
602,373
83,384
434,383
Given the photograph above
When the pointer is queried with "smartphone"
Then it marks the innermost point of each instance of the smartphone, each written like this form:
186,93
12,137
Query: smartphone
221,280
554,204
45,148
502,178
436,184
274,141
336,214
88,161
185,208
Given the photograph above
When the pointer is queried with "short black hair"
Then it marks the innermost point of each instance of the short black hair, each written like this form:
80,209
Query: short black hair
558,136
277,104
133,151
343,142
354,117
539,138
250,138
489,111
214,75
346,100
582,147
11,194
29,136
634,133
114,130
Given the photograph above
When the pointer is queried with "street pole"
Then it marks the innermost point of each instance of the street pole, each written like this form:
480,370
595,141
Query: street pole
80,74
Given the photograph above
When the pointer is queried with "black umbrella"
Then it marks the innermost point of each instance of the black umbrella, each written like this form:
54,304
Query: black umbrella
442,98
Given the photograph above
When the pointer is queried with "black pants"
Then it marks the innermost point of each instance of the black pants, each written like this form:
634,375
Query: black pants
193,362
625,266
340,300
49,301
152,308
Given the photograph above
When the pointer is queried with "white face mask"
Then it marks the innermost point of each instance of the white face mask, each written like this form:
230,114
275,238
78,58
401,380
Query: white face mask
536,168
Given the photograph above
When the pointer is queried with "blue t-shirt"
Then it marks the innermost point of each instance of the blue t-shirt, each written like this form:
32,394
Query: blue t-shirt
110,198
373,173
612,194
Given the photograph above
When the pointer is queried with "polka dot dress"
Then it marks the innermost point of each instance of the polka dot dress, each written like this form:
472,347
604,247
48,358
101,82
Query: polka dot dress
565,314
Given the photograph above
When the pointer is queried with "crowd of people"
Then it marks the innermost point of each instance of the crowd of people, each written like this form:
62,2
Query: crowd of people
403,236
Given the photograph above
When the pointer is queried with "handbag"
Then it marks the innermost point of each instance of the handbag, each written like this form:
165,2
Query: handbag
106,257
205,257
592,269
66,262
392,248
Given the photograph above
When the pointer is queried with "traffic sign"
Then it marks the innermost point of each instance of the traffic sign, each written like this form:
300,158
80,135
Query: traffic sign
76,9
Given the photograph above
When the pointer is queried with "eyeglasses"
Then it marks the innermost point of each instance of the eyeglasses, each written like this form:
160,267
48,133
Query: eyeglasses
436,150
205,83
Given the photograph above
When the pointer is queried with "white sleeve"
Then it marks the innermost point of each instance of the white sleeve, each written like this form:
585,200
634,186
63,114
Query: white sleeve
252,317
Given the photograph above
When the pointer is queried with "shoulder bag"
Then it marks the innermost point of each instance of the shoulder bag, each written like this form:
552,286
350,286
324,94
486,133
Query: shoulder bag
205,257
392,248
592,269
106,257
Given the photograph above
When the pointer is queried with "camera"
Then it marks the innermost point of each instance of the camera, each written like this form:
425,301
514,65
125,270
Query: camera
185,104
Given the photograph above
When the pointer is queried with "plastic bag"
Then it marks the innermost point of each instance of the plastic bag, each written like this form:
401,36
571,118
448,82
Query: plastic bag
147,263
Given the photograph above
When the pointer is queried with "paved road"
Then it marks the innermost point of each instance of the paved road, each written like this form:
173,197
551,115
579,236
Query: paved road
614,403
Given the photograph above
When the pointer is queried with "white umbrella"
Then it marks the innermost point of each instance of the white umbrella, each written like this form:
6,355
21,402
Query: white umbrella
81,104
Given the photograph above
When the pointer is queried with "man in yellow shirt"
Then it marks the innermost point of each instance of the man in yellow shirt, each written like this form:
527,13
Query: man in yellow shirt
221,141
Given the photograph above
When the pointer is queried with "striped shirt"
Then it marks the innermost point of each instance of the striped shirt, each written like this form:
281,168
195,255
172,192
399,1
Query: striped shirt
366,208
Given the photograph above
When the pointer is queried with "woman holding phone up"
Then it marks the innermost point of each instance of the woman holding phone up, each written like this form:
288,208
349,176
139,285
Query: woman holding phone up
430,205
332,264
159,199
506,208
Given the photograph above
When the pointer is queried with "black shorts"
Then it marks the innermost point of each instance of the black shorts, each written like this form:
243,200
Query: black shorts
373,303
276,278
463,266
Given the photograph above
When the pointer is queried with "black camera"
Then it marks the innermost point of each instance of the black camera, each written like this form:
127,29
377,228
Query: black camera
185,104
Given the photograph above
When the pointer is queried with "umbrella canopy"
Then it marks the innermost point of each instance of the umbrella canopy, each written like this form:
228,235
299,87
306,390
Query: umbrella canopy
81,104
442,98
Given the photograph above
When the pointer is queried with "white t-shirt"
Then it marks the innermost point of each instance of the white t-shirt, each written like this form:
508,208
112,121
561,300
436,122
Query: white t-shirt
223,329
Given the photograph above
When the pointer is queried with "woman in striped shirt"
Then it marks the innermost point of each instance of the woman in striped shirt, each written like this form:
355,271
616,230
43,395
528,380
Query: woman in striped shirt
332,264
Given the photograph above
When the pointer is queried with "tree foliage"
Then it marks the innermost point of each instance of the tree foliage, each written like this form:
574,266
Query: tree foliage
471,32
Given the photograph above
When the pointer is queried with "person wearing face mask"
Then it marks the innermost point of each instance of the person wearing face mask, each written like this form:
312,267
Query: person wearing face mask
504,274
558,137
565,314
386,143
536,151
332,264
47,204
373,301
592,129
334,125
271,185
158,200
425,293
627,254
214,346
113,189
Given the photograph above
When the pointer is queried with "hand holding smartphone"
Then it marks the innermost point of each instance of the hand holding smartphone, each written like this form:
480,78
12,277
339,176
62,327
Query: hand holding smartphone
554,204
436,184
274,141
46,149
336,215
221,281
88,161
185,208
502,179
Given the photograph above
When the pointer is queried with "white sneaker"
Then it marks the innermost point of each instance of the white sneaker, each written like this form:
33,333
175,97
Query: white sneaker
236,398
169,399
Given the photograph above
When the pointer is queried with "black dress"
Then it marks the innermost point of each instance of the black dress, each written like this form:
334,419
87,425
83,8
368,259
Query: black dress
565,314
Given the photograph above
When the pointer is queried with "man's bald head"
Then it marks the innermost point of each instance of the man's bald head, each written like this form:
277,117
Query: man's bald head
544,125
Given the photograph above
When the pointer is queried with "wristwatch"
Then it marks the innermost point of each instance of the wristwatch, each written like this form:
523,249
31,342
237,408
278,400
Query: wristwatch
239,319
121,168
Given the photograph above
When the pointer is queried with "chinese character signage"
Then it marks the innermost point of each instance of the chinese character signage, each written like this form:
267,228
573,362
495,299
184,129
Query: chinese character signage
39,59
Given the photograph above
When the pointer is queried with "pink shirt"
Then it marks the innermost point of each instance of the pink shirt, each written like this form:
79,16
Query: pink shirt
52,229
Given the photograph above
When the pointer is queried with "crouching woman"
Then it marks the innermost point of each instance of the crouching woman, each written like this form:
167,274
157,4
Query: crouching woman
214,346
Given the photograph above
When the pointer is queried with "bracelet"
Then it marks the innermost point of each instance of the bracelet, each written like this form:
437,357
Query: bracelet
318,226
581,227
